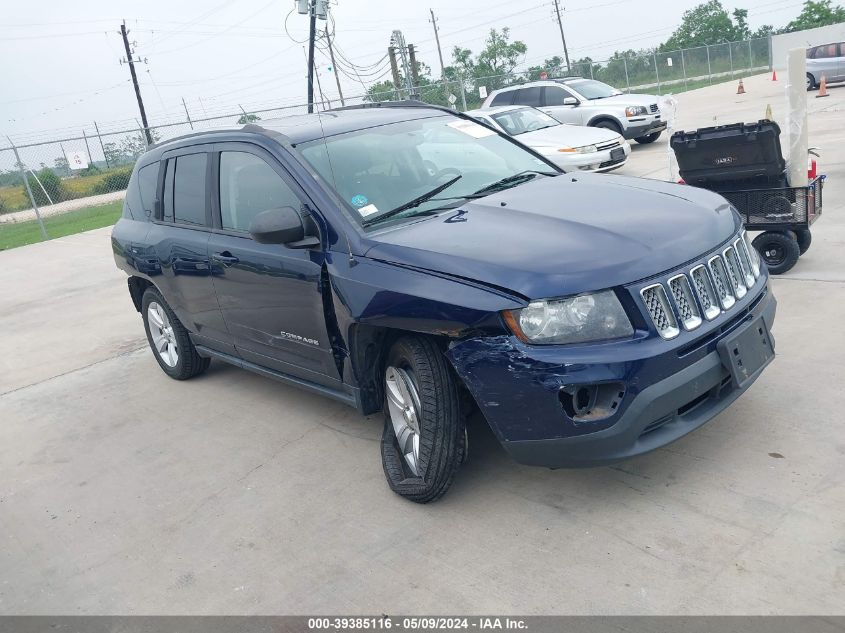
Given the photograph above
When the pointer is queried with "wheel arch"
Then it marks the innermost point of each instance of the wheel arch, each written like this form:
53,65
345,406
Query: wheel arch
137,287
599,118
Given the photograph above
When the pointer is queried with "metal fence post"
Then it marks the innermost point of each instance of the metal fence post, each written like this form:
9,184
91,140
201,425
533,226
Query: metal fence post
731,58
750,56
709,70
684,68
102,147
656,72
87,147
591,70
462,90
22,169
627,81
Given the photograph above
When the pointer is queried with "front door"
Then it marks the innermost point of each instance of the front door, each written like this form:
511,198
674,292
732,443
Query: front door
553,104
270,295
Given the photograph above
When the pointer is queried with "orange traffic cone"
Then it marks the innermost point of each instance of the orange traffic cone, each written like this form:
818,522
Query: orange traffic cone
822,87
740,89
774,75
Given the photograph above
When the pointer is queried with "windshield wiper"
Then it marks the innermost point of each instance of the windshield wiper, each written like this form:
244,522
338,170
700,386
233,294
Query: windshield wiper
412,203
510,181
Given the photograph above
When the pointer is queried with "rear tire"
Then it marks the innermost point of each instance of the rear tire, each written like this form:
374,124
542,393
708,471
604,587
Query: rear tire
422,407
811,82
804,239
169,340
649,138
779,250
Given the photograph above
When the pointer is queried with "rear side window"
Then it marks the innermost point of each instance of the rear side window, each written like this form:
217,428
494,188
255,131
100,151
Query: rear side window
503,98
828,50
189,190
529,96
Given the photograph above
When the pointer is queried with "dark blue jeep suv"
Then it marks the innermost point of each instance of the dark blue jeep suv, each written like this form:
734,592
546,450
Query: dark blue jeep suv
406,259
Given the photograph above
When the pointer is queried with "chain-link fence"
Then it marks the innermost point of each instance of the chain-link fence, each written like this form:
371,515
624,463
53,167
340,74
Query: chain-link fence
95,165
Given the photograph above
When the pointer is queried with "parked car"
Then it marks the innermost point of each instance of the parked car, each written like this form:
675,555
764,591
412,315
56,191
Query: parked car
590,318
827,60
587,102
570,147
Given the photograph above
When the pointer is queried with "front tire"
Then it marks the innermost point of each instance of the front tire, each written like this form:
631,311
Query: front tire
779,250
649,138
423,443
609,125
169,340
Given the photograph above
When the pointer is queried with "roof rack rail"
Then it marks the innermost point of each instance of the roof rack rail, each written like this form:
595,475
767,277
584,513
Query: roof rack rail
407,103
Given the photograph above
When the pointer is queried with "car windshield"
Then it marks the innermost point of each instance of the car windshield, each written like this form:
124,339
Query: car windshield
516,122
591,89
377,170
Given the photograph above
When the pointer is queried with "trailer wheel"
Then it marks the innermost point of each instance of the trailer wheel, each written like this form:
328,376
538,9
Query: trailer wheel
804,239
779,250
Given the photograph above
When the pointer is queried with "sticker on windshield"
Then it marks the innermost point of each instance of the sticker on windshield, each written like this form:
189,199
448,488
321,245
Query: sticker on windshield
368,210
471,128
359,201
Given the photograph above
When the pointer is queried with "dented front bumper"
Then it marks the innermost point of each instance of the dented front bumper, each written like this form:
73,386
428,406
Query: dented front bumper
669,390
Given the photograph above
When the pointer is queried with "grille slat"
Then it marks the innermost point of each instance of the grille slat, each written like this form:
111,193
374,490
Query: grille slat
705,292
721,282
731,260
657,304
684,301
745,262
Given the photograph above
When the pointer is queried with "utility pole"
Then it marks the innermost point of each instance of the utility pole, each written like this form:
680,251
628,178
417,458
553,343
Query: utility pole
397,40
315,9
437,39
131,62
334,67
562,38
394,69
414,74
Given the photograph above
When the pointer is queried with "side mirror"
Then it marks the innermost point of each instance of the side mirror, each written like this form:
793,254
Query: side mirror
282,225
570,101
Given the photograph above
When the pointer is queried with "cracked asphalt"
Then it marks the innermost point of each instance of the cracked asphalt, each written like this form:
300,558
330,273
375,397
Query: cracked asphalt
124,492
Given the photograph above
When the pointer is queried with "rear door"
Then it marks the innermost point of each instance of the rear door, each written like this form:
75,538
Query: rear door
270,295
178,239
840,66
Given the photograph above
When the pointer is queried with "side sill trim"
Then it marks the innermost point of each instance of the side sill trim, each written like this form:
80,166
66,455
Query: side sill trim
351,399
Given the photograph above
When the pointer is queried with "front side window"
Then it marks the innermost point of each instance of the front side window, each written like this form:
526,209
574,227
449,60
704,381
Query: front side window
248,186
592,90
185,190
523,120
379,169
556,95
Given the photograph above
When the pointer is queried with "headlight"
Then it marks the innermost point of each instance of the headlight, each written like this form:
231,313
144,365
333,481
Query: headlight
586,149
576,319
635,111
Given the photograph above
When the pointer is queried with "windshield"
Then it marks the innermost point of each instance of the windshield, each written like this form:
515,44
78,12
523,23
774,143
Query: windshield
377,170
516,122
591,89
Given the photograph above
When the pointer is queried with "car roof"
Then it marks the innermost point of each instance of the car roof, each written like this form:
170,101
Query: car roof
542,82
300,128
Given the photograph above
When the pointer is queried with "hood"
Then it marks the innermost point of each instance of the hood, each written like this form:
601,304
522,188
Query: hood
626,100
569,135
564,235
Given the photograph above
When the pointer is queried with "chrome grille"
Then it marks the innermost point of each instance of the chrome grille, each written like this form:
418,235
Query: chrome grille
734,272
684,301
705,292
610,145
721,282
744,261
657,304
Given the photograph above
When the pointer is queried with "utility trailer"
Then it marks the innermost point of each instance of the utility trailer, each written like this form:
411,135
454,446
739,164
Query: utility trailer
743,162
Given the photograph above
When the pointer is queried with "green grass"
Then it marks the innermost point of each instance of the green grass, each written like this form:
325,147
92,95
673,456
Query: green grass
17,234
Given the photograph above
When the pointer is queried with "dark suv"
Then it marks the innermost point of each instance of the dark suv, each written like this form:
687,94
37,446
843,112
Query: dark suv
407,259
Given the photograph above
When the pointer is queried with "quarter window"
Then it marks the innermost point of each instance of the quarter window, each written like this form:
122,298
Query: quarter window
248,186
168,191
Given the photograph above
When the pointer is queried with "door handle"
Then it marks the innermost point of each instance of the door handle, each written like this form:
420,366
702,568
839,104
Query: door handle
226,258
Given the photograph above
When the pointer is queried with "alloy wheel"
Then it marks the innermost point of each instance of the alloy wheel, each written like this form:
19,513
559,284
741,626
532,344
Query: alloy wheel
403,405
164,339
